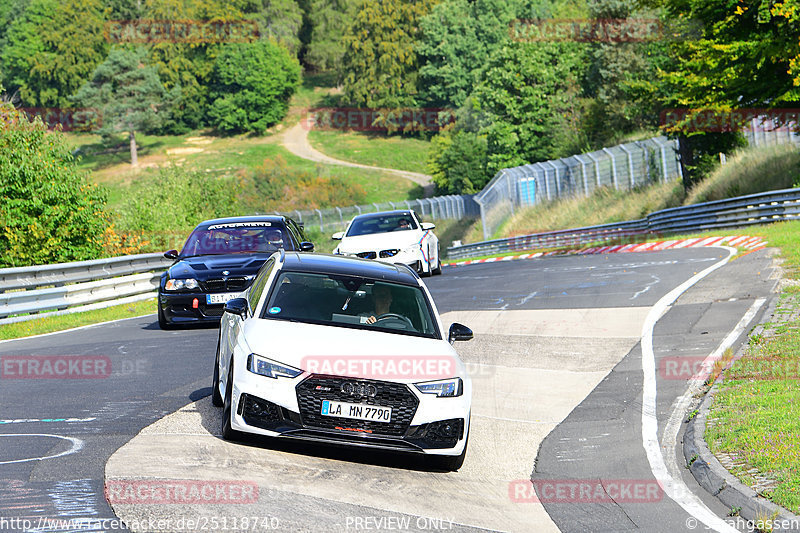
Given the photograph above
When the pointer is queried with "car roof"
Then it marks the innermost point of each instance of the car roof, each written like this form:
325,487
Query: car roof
349,266
406,212
248,218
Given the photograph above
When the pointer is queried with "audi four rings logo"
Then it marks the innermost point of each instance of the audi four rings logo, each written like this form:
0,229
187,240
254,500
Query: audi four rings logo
359,389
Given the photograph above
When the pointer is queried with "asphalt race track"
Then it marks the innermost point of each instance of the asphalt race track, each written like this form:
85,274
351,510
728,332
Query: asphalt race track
558,377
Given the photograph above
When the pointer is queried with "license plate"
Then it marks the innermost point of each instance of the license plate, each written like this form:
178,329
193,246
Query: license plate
220,298
357,411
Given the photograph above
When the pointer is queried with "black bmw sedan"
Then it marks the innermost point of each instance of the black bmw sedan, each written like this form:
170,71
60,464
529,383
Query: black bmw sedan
219,260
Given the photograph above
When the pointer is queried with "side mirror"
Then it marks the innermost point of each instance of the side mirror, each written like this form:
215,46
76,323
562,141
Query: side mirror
427,226
236,306
306,246
171,254
459,332
338,236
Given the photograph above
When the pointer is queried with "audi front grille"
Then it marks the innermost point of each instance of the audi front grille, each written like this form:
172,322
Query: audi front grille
314,389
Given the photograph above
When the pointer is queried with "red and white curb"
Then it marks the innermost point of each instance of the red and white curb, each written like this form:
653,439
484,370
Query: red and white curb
751,244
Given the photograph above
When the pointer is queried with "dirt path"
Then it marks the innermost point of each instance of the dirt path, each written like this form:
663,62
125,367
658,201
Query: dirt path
295,139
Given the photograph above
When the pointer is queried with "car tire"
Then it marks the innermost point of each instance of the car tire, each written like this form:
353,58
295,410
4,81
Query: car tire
451,463
228,433
162,320
216,397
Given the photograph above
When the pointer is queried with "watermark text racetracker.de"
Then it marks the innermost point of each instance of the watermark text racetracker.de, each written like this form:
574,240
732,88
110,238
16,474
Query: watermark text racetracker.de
55,367
730,120
585,491
181,492
142,31
602,30
191,524
55,118
378,120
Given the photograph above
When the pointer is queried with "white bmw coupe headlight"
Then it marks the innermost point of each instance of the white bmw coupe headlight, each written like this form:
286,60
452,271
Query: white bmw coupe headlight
268,368
416,247
444,388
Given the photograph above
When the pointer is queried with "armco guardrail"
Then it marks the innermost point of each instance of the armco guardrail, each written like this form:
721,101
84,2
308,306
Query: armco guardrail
67,287
762,208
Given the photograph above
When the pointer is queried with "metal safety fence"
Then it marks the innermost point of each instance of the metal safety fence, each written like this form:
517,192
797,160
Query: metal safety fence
78,286
762,208
625,166
438,207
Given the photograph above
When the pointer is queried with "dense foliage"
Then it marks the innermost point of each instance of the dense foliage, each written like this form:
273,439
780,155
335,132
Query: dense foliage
48,211
252,84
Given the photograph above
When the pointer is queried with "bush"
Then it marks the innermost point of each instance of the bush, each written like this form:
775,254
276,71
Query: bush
457,163
252,85
750,171
160,213
273,186
48,211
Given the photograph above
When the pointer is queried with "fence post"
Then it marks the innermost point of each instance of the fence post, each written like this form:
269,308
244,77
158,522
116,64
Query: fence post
510,192
678,163
583,173
358,208
483,218
596,169
630,165
321,226
299,216
613,167
341,220
376,207
555,179
663,161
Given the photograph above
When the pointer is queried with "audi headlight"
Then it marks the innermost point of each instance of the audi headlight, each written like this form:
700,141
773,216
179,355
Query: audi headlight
445,388
178,284
266,367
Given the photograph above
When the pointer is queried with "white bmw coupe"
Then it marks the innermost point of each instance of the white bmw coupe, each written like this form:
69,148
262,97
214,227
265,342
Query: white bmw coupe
343,351
392,237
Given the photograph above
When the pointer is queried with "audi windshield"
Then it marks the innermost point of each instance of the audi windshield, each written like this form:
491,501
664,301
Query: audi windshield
352,302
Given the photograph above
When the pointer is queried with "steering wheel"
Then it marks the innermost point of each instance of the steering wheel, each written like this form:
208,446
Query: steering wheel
394,316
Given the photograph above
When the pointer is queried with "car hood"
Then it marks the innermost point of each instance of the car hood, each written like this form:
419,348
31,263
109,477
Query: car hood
380,241
353,352
208,266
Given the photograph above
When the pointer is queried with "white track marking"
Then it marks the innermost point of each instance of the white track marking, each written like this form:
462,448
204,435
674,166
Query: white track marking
77,445
673,426
674,487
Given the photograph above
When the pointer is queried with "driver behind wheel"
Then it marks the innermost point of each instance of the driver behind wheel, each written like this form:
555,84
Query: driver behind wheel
382,301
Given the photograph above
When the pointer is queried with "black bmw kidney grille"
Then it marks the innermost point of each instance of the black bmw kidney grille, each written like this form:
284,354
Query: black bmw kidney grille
215,285
388,253
222,285
314,389
237,284
367,255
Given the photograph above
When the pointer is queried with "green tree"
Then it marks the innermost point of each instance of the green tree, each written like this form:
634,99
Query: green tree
329,20
48,211
527,102
252,85
619,77
456,38
52,47
127,93
457,162
280,20
379,62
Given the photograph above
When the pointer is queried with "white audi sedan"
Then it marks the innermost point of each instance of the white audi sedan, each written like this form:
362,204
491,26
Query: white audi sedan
392,237
343,351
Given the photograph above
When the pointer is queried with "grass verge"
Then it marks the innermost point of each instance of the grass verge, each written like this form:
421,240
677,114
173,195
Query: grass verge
49,324
403,153
755,417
